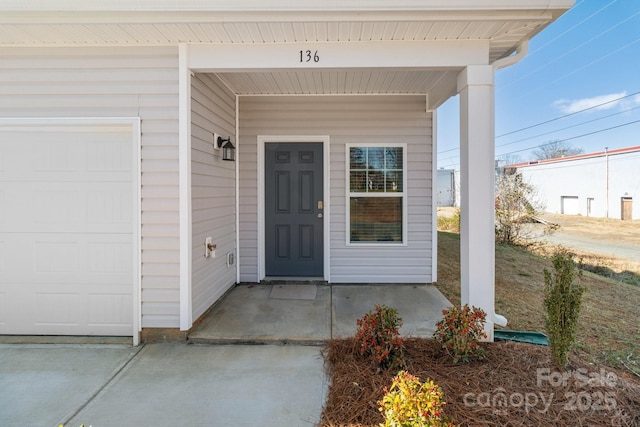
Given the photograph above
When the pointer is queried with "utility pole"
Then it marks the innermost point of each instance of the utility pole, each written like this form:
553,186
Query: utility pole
606,160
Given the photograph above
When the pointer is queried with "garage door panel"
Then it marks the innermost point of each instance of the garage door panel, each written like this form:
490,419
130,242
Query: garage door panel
109,310
2,257
61,154
78,208
66,309
67,258
51,308
3,308
3,207
67,228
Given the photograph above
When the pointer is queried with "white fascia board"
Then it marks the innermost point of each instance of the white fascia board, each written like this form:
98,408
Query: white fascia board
327,56
278,6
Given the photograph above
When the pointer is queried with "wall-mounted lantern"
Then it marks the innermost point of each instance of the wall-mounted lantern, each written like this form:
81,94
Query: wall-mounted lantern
228,149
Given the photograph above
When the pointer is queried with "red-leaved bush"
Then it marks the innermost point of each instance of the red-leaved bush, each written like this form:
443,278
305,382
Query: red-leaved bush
460,331
379,337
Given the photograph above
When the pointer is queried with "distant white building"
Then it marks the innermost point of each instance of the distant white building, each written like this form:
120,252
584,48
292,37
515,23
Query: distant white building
602,184
447,188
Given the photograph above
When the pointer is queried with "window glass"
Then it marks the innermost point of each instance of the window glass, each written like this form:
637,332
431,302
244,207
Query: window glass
374,172
375,169
376,219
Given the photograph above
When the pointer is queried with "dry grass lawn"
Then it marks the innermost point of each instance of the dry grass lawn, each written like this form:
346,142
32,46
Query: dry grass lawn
609,329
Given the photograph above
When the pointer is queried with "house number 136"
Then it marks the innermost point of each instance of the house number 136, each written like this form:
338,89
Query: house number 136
308,56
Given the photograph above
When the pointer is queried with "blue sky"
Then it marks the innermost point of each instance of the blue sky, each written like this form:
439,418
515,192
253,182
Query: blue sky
589,56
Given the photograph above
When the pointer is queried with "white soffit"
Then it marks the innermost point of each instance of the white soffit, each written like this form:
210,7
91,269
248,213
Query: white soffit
504,24
504,36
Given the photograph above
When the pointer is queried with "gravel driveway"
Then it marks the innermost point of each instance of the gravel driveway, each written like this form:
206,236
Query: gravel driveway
604,244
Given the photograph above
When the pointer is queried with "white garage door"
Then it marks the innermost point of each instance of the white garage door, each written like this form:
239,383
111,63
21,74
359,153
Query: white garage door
570,205
67,233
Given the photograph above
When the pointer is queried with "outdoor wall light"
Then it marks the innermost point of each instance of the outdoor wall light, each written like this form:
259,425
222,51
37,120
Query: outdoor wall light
228,149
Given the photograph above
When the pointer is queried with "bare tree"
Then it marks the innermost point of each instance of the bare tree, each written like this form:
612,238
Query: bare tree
554,150
508,159
516,203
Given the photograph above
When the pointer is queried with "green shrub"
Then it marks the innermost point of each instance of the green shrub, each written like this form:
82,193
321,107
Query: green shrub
410,403
562,302
379,337
460,331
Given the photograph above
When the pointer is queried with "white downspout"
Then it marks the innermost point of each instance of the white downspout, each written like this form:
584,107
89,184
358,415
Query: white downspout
521,52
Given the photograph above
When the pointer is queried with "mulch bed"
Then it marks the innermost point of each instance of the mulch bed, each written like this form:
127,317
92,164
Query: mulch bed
515,385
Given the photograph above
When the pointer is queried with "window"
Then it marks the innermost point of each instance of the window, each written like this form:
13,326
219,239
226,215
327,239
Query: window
376,197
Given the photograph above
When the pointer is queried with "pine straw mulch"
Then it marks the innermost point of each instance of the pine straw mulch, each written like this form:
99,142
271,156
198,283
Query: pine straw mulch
510,370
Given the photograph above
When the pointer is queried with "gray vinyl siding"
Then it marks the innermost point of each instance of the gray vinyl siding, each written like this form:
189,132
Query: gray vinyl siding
116,82
346,119
213,190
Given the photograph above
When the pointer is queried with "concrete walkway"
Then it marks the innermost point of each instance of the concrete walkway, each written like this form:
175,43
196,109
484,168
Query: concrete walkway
161,385
200,384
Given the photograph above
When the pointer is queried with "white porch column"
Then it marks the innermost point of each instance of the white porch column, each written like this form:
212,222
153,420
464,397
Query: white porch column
477,191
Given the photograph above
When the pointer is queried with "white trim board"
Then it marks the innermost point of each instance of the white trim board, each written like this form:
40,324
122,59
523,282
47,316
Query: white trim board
434,194
262,140
184,148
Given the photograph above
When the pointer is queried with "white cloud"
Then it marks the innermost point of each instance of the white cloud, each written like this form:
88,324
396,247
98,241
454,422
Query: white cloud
602,102
631,102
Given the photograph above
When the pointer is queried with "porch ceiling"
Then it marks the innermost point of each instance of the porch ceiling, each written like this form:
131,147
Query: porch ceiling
438,83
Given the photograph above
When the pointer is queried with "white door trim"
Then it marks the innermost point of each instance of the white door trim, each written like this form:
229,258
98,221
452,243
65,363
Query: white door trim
262,140
134,124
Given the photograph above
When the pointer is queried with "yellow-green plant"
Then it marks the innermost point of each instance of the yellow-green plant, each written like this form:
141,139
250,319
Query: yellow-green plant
562,302
411,403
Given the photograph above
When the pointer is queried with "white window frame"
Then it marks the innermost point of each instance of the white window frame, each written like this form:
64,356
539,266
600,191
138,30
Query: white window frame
348,194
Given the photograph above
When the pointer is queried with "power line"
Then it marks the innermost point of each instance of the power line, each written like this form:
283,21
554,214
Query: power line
580,69
556,59
573,137
555,119
568,115
574,27
569,127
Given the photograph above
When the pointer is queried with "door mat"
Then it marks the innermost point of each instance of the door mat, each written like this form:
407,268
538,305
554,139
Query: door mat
301,292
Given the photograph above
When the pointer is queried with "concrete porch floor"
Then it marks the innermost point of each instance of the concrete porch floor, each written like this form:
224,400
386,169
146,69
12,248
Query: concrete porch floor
247,314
